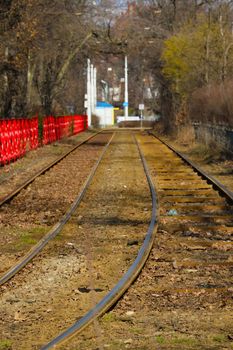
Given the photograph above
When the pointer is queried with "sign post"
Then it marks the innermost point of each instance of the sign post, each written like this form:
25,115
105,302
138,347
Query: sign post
141,108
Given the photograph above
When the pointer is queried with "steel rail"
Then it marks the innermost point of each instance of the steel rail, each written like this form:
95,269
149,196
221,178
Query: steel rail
218,185
12,194
56,229
124,283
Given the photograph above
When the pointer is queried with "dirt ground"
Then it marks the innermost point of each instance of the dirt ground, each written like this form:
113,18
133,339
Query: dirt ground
88,257
184,297
15,173
34,210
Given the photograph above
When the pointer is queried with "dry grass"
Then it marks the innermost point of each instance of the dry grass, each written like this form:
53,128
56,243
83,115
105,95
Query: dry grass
185,135
213,104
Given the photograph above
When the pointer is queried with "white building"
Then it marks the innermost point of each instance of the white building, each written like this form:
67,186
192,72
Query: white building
105,112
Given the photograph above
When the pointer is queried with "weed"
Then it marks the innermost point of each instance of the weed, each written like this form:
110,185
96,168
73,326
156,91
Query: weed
220,338
59,237
185,135
209,153
5,344
160,339
137,331
184,341
176,341
109,317
31,236
27,239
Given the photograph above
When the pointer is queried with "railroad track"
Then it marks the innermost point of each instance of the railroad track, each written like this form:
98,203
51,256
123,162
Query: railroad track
129,149
12,194
65,162
192,216
218,185
195,196
128,278
189,201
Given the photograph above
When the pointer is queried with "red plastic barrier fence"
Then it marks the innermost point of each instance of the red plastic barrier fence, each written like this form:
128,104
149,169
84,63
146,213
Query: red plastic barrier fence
17,136
70,125
34,139
80,124
49,130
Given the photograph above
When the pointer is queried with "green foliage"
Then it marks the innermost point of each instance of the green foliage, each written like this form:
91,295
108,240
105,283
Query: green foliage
176,66
27,239
184,341
131,111
109,317
176,341
5,344
160,339
220,338
195,55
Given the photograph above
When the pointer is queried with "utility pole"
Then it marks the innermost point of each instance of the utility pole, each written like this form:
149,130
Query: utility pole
89,92
92,90
91,96
126,103
95,89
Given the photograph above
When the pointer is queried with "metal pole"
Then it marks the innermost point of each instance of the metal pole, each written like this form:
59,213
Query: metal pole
92,88
126,89
141,119
95,88
89,92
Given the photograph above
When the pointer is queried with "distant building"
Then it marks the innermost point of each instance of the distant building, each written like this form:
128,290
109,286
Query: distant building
105,113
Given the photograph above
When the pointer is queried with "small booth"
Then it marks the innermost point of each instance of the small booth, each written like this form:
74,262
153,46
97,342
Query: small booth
105,112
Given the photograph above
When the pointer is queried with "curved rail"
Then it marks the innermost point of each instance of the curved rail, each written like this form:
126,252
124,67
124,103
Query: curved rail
56,228
121,287
12,194
218,185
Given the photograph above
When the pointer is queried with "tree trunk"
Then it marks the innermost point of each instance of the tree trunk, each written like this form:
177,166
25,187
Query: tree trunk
30,75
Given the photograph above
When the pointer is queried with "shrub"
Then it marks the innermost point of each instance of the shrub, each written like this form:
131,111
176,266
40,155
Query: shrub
213,104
